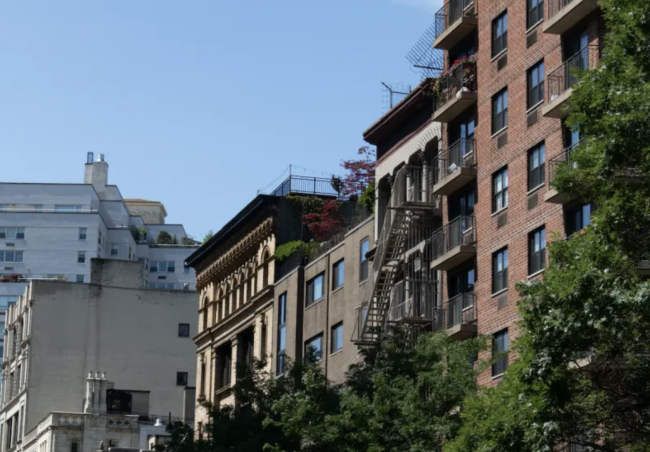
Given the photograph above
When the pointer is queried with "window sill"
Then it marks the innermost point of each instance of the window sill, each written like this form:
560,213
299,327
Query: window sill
495,377
499,292
314,303
499,132
499,55
534,189
338,352
538,272
534,107
338,289
499,211
533,27
363,282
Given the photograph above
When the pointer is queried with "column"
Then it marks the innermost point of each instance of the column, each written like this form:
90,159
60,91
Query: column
409,191
426,189
212,384
234,342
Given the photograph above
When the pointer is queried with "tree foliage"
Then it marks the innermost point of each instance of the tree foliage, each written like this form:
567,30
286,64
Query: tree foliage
327,222
164,238
360,173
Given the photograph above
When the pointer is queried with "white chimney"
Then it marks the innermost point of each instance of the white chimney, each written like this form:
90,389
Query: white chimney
88,406
96,173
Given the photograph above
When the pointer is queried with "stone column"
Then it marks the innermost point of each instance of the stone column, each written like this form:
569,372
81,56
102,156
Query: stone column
234,342
212,384
426,189
409,191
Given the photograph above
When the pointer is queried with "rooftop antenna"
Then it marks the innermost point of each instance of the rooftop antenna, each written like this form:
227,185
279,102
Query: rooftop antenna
393,93
424,58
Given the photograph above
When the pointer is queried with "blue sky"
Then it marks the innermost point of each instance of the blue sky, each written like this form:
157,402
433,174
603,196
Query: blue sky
196,103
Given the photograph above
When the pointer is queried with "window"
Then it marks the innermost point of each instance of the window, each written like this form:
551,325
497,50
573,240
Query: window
224,366
163,266
6,300
536,84
115,249
536,250
81,278
338,274
363,270
336,338
535,12
181,378
67,208
536,171
186,269
12,233
579,218
282,333
500,34
500,189
74,446
99,238
81,257
83,233
500,347
160,285
500,111
38,207
314,347
314,289
183,330
500,270
11,256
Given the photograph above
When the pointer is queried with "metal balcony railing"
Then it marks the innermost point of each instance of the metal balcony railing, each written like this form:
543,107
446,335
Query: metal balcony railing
413,300
459,155
452,11
555,6
459,78
563,158
461,309
461,231
564,77
305,185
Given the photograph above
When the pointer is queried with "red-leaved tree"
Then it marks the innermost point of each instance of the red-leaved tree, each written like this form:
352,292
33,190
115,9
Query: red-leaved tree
325,223
360,173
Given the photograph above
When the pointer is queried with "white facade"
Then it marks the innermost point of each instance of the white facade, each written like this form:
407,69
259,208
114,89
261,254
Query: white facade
51,231
58,332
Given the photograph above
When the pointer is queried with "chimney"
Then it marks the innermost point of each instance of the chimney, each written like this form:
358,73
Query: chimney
88,406
95,393
101,399
96,172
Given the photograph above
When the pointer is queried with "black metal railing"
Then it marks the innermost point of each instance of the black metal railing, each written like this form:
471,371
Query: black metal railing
564,77
460,231
413,299
305,185
562,159
459,155
461,309
153,419
555,6
452,11
460,78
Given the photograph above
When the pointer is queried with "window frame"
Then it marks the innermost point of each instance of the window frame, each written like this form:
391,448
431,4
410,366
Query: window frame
500,277
183,330
334,331
83,278
311,299
18,232
537,11
500,339
319,354
537,174
537,259
83,234
179,381
81,257
115,249
500,196
500,118
338,280
363,260
537,90
500,42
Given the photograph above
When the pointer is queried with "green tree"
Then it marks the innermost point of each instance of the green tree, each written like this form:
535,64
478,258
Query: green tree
207,236
164,238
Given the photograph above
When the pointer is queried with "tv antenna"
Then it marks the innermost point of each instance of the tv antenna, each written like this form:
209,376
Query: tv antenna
393,93
424,58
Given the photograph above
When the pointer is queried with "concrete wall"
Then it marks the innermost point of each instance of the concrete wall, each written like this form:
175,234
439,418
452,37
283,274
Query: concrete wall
130,334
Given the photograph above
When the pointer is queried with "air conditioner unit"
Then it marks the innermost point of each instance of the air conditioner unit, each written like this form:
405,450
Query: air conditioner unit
453,167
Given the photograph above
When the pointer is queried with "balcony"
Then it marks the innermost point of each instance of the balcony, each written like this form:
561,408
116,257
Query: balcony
455,91
455,167
563,159
454,243
564,14
455,20
414,301
561,81
461,316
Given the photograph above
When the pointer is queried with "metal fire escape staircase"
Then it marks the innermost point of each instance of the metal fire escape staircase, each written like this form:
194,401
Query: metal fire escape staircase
410,201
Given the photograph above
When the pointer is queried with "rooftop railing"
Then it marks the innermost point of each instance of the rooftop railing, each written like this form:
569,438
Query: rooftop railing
461,77
459,155
305,185
564,77
452,11
460,231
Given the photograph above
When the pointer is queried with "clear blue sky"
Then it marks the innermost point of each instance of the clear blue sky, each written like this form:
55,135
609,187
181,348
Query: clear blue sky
196,103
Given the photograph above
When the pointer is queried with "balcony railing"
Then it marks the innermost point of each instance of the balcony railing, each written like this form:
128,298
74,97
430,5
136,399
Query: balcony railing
305,185
564,158
460,231
460,78
413,300
564,77
453,11
459,155
461,309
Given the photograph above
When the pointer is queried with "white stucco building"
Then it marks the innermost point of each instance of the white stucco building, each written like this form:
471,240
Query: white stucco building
139,338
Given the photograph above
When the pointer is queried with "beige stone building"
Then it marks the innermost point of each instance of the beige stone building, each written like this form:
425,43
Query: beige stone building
58,332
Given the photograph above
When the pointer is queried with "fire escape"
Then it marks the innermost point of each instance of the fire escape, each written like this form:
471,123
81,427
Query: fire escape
401,287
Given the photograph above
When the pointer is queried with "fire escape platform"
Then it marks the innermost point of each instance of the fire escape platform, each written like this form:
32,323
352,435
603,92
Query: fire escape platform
456,32
462,331
454,107
454,257
556,108
569,16
454,181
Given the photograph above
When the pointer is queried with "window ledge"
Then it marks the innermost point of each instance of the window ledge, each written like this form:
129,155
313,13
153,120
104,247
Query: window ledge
495,377
499,132
338,288
535,107
534,189
314,303
499,292
338,352
499,211
363,282
536,25
499,55
538,272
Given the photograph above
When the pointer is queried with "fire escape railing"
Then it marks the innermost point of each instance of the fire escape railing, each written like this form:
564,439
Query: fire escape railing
459,155
460,231
451,12
564,77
